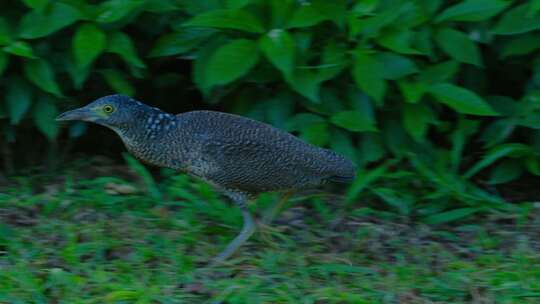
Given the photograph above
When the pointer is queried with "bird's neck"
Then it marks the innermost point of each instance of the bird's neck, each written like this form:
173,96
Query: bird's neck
147,133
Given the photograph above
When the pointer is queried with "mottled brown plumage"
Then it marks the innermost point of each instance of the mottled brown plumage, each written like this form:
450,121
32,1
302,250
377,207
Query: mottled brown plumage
238,155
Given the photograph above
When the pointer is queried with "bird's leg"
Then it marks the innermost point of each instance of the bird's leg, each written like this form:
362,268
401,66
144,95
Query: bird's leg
247,229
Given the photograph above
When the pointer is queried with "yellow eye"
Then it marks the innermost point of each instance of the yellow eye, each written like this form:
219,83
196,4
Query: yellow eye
108,109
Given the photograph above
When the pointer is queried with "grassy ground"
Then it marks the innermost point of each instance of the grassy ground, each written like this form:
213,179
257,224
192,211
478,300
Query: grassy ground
127,239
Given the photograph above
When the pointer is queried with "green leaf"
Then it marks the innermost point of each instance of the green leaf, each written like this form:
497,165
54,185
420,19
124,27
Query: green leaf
18,100
298,121
459,46
40,73
461,99
518,20
315,134
227,19
20,48
306,82
114,10
508,170
356,121
305,16
45,113
237,3
120,43
521,46
231,62
368,74
334,60
342,143
504,150
412,91
88,43
180,42
5,32
440,72
473,10
40,24
118,82
449,216
416,119
36,4
398,41
396,66
279,47
4,62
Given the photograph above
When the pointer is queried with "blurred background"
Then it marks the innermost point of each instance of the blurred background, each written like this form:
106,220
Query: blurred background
436,101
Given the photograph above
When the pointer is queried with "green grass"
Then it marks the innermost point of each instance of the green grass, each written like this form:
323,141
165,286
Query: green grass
123,239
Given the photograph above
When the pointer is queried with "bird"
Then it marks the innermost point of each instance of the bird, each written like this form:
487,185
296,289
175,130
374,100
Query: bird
239,156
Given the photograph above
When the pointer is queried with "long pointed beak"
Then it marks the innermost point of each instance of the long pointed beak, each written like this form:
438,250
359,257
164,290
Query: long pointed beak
77,114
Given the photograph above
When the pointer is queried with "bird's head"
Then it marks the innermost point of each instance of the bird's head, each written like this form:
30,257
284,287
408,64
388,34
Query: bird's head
113,111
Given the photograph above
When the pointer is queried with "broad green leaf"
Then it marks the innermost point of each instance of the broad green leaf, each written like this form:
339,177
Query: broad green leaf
40,24
40,73
227,19
461,99
521,46
440,72
334,60
532,163
396,66
398,41
305,16
315,134
4,62
44,114
517,20
496,153
449,216
416,119
412,91
237,3
114,10
18,100
459,46
508,170
534,6
473,10
368,74
36,4
300,120
88,43
77,73
118,82
231,62
21,49
161,6
120,43
180,42
281,12
5,32
306,82
354,121
279,47
342,142
365,7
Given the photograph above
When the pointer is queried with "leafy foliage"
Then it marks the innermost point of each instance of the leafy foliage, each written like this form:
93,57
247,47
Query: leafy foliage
454,80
